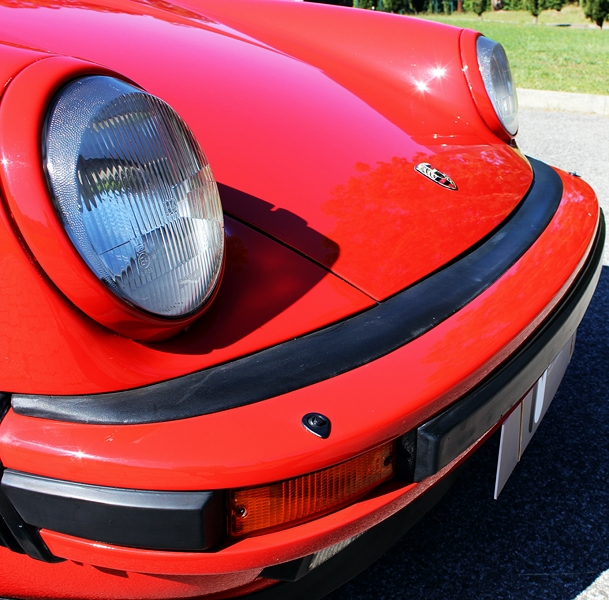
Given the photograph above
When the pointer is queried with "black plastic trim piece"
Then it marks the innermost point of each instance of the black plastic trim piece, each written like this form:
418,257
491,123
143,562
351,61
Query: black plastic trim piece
5,404
21,537
358,555
7,539
289,571
447,435
328,352
135,518
406,455
317,424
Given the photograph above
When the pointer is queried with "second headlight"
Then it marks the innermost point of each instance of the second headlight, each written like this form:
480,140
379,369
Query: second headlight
497,77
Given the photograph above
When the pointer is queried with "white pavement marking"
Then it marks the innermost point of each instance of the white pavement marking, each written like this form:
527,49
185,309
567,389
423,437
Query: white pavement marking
598,590
572,142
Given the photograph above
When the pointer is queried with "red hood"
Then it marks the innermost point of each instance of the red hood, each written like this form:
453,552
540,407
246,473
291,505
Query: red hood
311,114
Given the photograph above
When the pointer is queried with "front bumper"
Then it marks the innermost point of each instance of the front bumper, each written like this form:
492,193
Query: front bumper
33,502
192,520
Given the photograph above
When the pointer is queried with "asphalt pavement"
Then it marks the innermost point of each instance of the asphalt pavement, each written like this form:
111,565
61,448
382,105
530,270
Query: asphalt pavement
547,536
573,142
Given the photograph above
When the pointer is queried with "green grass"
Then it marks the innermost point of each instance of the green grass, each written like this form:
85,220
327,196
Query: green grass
566,59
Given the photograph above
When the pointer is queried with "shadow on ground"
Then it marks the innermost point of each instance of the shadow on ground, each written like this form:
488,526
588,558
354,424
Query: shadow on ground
547,537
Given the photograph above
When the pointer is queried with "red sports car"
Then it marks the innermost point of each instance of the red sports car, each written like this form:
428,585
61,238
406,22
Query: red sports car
270,272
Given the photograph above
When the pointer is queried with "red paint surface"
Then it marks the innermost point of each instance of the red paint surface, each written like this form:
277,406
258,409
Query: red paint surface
14,59
313,119
313,128
20,576
367,406
269,294
351,197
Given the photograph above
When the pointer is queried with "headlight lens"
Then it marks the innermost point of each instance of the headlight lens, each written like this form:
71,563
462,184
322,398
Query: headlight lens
497,77
135,194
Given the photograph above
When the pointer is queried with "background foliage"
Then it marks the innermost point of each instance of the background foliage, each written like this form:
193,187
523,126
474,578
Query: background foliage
564,52
595,10
567,59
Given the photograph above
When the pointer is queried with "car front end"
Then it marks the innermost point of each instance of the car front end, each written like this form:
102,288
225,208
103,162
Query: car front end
387,282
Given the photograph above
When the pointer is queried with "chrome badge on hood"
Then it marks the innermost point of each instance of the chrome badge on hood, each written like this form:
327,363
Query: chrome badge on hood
436,176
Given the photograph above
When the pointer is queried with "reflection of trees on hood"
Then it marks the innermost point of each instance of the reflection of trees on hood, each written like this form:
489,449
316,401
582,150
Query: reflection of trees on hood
407,226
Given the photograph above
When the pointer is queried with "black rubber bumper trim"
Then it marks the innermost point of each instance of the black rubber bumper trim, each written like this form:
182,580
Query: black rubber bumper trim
328,352
444,437
185,521
19,536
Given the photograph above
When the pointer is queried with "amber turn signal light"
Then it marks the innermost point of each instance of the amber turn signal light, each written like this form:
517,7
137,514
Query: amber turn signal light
286,503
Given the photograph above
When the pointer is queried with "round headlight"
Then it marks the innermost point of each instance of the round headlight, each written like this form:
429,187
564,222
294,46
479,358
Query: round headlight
135,194
497,77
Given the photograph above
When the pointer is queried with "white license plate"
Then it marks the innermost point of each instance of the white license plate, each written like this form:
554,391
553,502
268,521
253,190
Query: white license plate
519,428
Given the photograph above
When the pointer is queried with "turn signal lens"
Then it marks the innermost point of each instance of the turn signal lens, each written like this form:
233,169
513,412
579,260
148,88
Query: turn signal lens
286,503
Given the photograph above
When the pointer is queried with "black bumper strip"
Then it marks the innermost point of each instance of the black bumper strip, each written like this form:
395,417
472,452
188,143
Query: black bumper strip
19,536
330,351
444,437
186,521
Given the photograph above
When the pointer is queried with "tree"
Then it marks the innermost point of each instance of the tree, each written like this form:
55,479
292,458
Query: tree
554,4
597,11
513,4
416,6
534,7
395,6
477,6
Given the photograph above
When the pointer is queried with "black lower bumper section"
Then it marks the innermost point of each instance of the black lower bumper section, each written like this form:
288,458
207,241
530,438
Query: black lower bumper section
447,435
139,518
19,536
359,555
